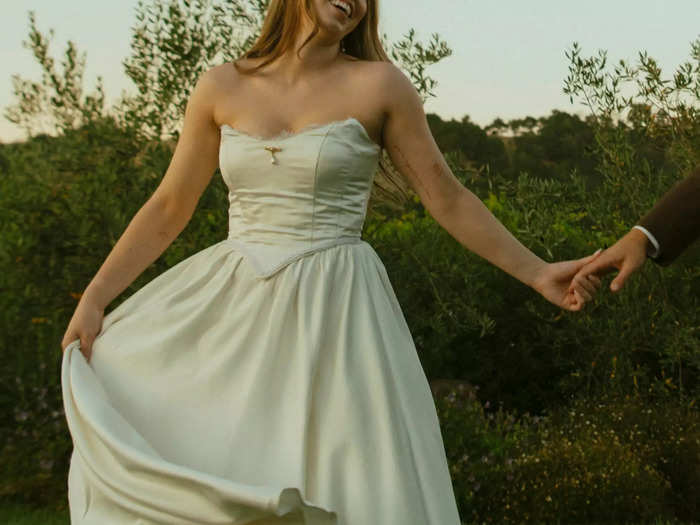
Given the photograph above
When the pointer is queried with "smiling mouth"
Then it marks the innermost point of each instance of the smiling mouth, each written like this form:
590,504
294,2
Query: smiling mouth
342,10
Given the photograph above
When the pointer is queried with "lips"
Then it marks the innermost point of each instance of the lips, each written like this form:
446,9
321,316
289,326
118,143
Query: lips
341,9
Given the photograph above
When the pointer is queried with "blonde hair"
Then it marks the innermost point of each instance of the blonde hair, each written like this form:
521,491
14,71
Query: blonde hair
280,26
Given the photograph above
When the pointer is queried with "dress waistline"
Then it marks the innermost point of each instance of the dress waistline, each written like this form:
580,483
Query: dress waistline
269,259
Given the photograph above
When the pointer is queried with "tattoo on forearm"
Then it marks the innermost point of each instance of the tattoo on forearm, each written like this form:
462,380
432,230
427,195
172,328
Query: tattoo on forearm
438,174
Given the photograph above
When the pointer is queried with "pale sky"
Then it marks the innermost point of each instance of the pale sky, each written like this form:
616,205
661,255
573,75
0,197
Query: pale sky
508,56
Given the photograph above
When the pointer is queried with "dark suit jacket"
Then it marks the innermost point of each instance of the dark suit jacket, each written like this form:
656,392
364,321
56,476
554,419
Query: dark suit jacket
675,220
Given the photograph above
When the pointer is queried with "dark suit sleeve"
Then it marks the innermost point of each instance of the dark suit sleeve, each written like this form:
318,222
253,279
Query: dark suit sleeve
675,220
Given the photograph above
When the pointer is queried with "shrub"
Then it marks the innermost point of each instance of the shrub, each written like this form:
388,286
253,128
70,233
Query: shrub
64,202
602,460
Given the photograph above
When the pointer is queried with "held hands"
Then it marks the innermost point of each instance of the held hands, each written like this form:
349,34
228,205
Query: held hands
554,282
570,284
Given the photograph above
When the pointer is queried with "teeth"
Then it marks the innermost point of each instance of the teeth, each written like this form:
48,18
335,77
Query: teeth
344,6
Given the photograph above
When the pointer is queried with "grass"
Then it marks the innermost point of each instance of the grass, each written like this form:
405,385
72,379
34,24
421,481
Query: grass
19,514
657,522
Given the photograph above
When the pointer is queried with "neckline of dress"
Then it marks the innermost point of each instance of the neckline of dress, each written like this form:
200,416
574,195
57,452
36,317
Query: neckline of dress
285,134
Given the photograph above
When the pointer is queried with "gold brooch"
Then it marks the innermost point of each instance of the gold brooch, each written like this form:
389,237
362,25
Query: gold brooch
273,150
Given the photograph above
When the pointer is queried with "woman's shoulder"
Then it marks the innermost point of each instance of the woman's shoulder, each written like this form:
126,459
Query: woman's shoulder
375,68
221,77
370,69
222,72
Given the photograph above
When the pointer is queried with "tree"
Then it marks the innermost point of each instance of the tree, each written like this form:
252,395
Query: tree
497,127
57,103
479,149
560,145
664,111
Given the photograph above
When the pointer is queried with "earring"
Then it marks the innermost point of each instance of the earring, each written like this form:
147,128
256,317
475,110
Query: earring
342,46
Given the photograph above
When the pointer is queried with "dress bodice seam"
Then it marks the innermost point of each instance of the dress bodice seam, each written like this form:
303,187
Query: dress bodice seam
315,184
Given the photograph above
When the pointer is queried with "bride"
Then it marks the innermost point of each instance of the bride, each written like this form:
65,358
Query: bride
271,377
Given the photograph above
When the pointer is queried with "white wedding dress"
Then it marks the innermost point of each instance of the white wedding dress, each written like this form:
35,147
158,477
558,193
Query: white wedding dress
269,378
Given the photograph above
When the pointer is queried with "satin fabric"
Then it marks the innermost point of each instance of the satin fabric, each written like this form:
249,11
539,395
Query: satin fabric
269,378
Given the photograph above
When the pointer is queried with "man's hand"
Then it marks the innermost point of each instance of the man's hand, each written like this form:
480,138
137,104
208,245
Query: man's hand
627,255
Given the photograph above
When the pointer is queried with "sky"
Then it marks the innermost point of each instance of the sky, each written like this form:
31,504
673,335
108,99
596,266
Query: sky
508,57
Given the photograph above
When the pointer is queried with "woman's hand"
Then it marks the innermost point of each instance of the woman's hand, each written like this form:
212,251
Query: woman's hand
553,282
85,325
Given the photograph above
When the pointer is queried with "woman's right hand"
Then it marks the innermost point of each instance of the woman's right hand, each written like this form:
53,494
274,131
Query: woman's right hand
85,325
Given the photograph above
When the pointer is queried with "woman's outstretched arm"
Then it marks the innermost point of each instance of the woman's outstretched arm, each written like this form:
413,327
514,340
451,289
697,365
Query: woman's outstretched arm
159,221
410,144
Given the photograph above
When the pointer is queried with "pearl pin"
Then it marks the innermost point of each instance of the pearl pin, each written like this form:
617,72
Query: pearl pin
273,150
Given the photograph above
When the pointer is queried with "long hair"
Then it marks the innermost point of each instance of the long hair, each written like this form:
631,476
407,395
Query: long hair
280,26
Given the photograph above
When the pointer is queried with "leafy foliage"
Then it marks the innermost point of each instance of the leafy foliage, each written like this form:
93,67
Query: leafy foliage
173,43
475,148
413,57
57,102
600,459
652,135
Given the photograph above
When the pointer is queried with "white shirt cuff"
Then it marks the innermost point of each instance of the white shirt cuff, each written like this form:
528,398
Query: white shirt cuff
655,252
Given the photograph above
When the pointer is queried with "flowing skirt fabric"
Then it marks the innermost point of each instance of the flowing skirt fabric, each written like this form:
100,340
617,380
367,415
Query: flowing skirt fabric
216,397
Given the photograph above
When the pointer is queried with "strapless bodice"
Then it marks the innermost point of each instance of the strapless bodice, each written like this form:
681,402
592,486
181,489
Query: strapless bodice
296,193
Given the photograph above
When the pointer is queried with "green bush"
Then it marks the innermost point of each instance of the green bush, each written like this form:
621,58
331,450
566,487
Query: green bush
597,460
64,202
661,433
472,321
